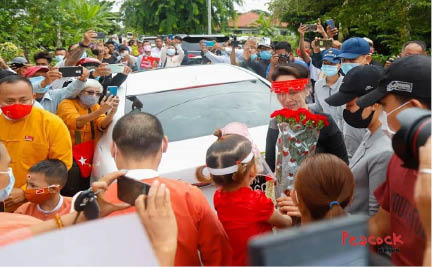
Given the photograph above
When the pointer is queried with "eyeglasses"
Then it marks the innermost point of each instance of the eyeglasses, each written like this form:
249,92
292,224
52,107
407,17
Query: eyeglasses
93,93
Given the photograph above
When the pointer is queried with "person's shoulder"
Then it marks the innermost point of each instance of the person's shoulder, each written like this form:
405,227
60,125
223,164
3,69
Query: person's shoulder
25,208
273,124
48,116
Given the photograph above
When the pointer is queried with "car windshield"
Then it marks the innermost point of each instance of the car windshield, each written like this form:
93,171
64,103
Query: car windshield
196,112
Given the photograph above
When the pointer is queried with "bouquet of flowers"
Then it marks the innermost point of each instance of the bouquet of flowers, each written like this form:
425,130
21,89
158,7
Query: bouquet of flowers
298,135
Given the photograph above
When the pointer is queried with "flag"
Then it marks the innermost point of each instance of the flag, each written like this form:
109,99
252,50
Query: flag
83,156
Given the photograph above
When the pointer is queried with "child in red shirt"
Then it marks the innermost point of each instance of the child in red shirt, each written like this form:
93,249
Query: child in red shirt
44,182
244,213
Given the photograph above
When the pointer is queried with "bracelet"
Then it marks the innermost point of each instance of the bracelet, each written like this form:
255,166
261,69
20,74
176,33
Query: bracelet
425,171
58,221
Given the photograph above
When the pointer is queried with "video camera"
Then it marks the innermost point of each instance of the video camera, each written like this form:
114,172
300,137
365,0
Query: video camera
234,42
414,131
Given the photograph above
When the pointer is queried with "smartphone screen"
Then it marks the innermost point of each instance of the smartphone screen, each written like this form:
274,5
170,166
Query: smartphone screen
330,22
129,189
116,68
170,36
210,43
71,71
100,35
112,90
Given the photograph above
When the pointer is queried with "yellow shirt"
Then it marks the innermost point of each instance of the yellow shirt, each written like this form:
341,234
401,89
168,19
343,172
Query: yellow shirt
39,136
70,109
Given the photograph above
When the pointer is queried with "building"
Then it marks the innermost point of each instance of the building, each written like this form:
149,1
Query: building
246,24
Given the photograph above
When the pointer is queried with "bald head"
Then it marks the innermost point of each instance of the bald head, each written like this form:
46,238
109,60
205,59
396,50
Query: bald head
413,48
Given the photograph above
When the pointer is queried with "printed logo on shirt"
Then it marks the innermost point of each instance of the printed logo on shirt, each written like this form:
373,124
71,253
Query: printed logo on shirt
392,241
28,138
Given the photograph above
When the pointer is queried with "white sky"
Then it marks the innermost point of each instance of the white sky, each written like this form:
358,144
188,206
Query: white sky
248,5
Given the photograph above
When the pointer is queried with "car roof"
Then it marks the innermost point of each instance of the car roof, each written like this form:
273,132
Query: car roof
185,77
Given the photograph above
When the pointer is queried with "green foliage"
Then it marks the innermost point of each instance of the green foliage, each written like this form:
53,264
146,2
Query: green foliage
265,26
389,23
35,25
176,16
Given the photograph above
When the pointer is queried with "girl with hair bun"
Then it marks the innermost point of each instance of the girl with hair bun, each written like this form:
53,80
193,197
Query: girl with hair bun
244,213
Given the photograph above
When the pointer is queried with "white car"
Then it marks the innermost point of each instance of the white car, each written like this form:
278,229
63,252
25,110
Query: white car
191,102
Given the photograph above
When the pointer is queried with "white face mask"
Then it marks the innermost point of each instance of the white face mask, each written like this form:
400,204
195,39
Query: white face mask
384,121
5,192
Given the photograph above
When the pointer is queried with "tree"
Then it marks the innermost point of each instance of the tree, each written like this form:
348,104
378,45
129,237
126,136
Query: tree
389,23
176,16
264,26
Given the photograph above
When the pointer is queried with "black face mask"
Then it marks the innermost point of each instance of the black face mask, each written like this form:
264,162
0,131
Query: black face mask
355,119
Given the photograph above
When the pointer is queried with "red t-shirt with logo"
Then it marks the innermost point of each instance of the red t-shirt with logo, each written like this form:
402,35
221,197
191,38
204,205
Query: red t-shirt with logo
396,195
244,213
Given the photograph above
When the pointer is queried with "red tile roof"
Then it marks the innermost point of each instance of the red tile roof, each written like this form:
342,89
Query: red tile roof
247,20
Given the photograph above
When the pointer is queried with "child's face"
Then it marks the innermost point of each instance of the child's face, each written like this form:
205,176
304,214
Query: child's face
36,180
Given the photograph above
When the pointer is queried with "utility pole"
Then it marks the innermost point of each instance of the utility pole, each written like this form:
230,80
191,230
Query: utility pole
209,17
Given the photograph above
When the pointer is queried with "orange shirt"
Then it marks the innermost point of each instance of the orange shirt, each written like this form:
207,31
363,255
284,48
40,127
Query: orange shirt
14,227
70,109
33,210
198,226
39,136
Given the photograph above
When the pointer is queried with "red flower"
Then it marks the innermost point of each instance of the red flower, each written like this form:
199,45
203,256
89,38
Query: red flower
301,115
284,153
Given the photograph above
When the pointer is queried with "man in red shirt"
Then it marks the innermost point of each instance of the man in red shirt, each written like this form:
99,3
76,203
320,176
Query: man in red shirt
405,84
138,144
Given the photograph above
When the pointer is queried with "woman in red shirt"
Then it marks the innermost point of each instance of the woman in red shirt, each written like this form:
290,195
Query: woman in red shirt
243,212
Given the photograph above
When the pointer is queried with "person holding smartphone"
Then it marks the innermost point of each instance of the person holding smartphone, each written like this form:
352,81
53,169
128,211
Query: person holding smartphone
172,55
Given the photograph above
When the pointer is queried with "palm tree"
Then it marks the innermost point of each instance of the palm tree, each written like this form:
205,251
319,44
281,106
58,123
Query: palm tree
265,26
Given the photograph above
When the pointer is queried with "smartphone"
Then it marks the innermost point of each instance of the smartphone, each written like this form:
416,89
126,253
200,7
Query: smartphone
170,36
330,22
129,189
327,43
100,35
71,71
234,42
311,27
112,90
210,43
116,68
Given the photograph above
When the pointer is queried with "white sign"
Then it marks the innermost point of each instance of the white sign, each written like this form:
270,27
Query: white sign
120,240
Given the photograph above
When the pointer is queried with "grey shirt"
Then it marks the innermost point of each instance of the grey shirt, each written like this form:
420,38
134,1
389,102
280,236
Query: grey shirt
369,166
323,91
52,98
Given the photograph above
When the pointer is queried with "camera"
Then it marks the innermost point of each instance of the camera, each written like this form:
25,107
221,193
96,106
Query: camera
234,41
283,59
414,132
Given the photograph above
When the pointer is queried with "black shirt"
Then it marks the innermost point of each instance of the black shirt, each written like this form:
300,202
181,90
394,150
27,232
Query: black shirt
330,140
259,67
110,60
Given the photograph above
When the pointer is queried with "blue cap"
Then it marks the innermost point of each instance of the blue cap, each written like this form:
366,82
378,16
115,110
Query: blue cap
331,55
354,47
301,63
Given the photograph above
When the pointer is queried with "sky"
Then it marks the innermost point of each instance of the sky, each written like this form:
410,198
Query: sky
248,5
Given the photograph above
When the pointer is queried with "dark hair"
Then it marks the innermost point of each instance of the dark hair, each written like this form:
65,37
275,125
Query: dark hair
178,38
138,135
227,151
293,69
160,38
13,79
131,42
43,54
123,48
403,99
55,171
418,42
321,179
5,73
283,45
109,42
60,49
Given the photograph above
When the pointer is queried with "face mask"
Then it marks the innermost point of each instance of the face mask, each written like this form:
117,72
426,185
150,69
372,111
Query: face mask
124,54
299,52
355,119
40,195
265,55
36,80
329,70
384,121
5,192
346,67
254,57
17,111
59,58
171,52
84,55
88,100
147,48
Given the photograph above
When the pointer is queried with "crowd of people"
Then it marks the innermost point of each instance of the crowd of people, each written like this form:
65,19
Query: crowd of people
47,120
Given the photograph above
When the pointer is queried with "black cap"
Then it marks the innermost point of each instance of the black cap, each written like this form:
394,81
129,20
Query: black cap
408,76
359,81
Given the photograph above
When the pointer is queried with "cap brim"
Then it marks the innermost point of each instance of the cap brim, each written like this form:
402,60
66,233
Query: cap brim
332,60
339,99
371,98
348,55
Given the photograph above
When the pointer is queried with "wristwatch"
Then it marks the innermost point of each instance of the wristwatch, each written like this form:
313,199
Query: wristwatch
83,45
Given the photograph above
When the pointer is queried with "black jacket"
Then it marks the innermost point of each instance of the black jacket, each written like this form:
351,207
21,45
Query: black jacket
330,141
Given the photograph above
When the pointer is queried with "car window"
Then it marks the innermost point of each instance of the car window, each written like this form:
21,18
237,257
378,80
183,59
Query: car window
196,112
